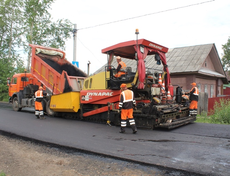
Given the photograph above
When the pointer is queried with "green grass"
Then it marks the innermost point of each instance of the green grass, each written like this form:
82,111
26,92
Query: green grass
220,114
203,118
2,174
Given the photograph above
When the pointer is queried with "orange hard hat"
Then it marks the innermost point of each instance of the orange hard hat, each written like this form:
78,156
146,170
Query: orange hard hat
40,88
123,85
193,84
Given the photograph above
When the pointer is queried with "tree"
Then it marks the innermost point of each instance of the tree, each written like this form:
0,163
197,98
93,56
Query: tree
10,32
40,30
23,22
226,56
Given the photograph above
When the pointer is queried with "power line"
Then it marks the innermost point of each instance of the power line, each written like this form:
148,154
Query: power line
89,50
147,14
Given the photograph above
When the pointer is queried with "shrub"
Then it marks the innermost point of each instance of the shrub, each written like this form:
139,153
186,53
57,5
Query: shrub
221,112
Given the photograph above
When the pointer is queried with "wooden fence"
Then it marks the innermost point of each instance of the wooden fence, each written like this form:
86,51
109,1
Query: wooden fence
202,102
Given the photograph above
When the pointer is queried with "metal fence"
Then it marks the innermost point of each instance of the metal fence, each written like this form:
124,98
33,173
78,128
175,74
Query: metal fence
206,104
212,101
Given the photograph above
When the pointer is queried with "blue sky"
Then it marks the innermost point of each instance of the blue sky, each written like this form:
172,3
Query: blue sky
201,22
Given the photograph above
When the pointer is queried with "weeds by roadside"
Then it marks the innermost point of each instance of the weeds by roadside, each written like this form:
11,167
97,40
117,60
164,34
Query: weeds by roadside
2,174
203,118
220,114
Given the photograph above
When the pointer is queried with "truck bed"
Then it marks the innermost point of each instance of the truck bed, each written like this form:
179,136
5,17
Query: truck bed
56,73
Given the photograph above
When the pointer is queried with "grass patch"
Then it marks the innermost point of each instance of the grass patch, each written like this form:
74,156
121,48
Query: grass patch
203,118
221,114
2,174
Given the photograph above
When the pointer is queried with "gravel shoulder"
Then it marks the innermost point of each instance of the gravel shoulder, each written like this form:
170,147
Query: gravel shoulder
25,158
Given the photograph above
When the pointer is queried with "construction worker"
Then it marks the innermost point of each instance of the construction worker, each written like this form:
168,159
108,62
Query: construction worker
194,93
126,105
120,68
38,103
185,98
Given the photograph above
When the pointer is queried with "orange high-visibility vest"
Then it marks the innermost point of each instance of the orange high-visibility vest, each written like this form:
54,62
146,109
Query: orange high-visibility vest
194,95
122,70
196,92
127,96
39,94
127,99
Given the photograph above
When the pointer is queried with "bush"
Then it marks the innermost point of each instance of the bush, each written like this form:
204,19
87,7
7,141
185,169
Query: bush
4,97
221,112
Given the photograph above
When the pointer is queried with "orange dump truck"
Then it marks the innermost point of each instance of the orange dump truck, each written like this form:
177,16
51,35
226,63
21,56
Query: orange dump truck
50,69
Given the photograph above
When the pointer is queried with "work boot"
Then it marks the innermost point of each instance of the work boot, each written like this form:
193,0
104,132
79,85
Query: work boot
37,116
190,112
42,117
122,130
134,128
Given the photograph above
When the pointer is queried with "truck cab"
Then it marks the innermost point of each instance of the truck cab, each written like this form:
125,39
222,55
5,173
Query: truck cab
22,86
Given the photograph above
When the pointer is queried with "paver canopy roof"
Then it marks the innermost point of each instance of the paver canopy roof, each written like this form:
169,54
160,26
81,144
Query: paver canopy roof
127,49
142,48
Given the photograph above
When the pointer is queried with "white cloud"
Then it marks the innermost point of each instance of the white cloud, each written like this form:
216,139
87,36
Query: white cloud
199,24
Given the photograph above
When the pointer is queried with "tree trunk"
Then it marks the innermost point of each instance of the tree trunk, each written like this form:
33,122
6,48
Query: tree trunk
30,42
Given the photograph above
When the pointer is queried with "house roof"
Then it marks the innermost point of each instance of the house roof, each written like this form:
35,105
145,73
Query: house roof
183,60
187,59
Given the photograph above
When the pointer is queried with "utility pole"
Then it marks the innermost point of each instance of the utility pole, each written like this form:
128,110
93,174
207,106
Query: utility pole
88,67
75,42
137,32
74,31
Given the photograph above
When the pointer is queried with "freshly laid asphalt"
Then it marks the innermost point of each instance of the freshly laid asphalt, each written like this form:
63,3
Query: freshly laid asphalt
197,148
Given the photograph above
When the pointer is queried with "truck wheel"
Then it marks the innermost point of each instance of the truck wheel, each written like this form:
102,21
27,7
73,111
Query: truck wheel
48,110
15,104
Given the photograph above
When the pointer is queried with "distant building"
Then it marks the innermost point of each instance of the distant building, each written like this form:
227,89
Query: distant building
200,64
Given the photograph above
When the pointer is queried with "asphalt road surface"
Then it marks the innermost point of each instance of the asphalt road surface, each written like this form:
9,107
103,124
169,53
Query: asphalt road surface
196,148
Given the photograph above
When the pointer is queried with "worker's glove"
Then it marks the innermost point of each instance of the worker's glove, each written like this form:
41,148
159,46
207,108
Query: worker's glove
34,99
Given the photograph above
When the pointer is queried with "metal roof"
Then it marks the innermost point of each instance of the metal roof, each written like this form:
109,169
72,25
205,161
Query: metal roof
187,59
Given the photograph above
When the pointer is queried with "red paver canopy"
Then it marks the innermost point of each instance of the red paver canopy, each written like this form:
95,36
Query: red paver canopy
145,47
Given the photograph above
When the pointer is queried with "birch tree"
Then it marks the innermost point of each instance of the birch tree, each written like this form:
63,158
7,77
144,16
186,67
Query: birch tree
39,28
10,33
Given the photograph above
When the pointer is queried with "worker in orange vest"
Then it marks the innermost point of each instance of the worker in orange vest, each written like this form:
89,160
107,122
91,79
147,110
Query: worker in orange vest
120,68
194,93
126,105
38,103
185,98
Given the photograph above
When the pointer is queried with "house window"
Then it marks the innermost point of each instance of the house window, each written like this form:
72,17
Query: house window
206,88
212,91
205,63
199,87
